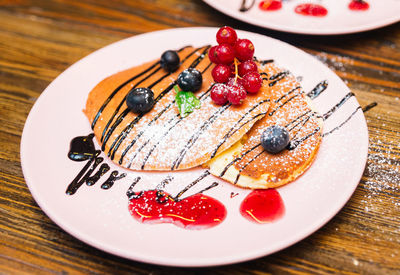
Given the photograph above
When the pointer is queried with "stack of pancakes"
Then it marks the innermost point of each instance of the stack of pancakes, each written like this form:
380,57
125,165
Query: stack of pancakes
224,138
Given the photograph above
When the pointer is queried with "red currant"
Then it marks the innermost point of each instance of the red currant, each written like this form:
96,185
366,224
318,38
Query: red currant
246,67
225,53
221,73
212,56
226,35
252,82
236,94
219,94
244,49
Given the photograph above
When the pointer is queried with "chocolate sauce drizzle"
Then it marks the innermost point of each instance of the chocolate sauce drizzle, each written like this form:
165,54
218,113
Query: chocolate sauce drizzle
132,194
195,136
201,97
293,146
104,105
82,148
161,196
112,179
234,129
319,89
81,177
296,142
104,168
284,103
177,119
369,106
164,182
296,119
184,190
302,119
157,143
106,134
238,159
117,142
122,115
278,77
303,123
288,93
365,109
244,7
337,106
244,166
118,89
265,62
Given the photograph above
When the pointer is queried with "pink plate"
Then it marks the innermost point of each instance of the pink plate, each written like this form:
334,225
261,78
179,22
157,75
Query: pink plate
339,20
100,217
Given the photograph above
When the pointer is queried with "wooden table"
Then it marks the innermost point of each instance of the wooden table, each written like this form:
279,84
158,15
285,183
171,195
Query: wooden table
39,39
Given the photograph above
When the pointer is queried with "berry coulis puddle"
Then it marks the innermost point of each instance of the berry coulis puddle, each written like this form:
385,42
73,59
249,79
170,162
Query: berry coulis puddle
195,212
263,206
358,5
270,5
311,10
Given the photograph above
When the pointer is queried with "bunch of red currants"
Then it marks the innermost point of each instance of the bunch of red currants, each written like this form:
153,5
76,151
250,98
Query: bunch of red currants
235,73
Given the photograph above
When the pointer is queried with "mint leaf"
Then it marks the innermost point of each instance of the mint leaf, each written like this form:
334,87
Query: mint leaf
186,102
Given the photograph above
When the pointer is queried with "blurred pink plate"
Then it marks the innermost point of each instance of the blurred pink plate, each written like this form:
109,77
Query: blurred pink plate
339,20
100,217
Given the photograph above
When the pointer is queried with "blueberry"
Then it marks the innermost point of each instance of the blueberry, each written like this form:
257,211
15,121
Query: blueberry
275,139
140,100
170,61
190,80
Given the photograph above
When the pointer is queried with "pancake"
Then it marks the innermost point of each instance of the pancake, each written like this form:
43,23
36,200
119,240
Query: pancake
161,139
246,164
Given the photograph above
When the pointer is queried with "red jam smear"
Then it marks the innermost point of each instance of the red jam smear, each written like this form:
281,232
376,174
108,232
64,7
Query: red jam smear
195,212
263,206
271,5
358,5
311,10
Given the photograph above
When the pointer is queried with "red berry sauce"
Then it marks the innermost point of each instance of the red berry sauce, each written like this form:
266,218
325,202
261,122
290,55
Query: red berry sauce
270,5
311,10
262,206
358,5
195,212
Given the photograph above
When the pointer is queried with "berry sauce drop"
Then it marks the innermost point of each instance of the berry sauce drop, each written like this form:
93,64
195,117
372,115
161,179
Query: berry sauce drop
311,10
270,5
195,212
262,206
358,5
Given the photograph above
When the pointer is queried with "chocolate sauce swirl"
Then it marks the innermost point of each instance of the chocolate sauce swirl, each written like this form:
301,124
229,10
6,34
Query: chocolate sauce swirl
82,148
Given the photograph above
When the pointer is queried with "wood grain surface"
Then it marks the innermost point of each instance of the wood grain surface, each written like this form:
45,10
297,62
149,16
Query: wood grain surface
41,38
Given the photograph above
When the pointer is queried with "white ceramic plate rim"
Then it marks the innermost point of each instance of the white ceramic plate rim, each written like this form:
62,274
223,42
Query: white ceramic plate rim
211,261
242,16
